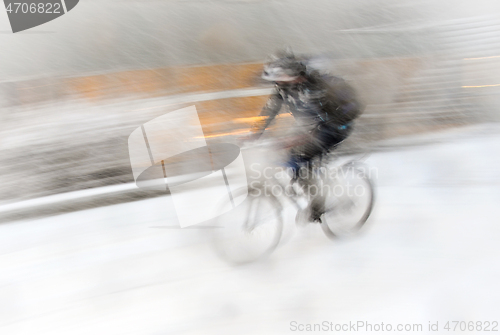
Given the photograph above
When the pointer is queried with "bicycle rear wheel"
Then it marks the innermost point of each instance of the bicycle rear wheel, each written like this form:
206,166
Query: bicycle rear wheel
250,231
349,202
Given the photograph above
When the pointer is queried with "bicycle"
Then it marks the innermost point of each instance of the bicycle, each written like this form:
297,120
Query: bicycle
253,229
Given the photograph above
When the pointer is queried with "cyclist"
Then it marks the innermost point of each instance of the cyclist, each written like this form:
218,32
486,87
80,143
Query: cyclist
324,107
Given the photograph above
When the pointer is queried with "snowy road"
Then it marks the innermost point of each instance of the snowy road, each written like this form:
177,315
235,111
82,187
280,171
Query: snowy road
429,253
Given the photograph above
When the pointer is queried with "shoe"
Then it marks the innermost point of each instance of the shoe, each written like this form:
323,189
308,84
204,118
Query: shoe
315,216
316,219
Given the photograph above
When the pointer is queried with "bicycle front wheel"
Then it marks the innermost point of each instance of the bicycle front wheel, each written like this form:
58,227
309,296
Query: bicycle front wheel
250,231
349,202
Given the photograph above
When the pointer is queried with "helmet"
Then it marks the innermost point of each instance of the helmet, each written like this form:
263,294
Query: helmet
283,67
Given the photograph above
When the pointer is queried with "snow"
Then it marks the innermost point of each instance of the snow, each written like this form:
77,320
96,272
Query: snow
429,253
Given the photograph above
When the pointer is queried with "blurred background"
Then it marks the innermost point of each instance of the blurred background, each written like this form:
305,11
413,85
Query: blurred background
73,90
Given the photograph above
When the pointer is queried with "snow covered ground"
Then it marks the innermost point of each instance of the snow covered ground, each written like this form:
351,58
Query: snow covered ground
429,253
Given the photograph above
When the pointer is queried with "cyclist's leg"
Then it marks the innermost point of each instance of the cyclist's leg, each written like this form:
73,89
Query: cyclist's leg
326,140
300,163
300,158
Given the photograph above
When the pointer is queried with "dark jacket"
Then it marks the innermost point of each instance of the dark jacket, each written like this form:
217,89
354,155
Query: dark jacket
323,102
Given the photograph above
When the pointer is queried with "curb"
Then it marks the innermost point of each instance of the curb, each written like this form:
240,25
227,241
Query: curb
415,140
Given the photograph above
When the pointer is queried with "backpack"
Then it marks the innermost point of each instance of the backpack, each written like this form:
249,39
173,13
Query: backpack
343,105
